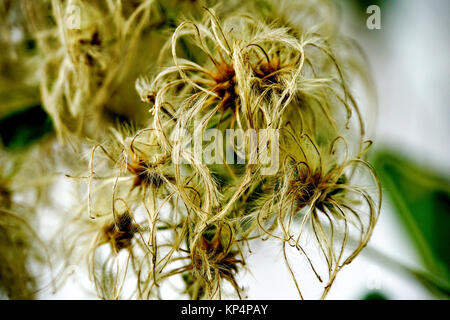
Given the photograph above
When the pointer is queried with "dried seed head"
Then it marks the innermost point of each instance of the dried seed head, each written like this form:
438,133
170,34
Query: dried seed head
215,259
145,175
307,186
120,233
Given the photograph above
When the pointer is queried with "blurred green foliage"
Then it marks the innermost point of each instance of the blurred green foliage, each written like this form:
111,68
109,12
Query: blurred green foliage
21,128
361,5
374,295
422,201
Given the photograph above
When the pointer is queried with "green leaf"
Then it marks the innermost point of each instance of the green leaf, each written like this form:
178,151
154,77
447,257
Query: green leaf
19,129
374,295
362,5
422,200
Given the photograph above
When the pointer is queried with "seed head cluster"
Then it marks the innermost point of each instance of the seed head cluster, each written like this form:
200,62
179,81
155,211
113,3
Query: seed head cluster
133,86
